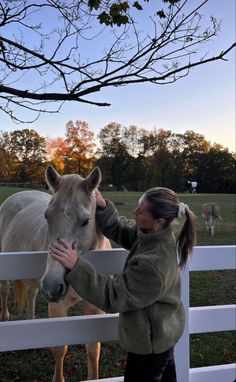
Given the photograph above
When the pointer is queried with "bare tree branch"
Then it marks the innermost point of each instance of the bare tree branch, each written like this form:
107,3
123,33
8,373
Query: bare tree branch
58,51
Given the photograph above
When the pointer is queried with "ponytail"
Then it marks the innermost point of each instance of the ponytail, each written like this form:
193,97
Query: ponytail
186,239
165,204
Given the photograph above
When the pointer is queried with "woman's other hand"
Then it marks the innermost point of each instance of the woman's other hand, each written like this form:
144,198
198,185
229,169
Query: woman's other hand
100,201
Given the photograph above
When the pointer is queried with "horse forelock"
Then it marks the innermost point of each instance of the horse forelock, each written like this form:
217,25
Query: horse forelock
71,186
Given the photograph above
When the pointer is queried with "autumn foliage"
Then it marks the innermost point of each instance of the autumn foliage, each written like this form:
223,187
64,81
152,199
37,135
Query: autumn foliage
129,157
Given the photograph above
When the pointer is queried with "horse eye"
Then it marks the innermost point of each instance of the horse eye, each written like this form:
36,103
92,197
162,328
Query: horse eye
45,215
85,222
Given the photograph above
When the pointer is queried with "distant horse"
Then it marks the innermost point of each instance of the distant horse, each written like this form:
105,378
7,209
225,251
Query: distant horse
30,221
190,187
210,215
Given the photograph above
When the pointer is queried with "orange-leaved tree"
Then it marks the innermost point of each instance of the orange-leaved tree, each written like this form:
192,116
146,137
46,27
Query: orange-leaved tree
75,153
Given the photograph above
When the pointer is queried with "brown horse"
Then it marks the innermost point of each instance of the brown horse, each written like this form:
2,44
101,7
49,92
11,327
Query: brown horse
210,215
30,221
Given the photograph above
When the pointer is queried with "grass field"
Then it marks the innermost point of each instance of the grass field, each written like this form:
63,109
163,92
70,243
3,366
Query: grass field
206,288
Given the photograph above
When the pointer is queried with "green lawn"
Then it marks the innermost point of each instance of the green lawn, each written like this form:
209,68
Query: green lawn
206,288
5,192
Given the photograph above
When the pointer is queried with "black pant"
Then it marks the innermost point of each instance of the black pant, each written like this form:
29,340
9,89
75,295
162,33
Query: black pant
150,367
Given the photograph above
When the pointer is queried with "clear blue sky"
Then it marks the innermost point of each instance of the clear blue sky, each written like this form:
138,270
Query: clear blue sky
204,101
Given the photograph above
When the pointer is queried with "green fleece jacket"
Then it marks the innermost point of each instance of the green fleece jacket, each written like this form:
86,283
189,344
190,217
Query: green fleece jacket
146,294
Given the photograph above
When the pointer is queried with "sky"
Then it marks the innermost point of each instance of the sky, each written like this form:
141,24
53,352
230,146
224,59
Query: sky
204,101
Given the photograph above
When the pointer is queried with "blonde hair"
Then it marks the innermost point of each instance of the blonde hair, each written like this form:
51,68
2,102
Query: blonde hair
165,204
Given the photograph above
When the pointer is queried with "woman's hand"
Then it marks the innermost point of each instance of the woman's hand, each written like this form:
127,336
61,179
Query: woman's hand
100,201
64,253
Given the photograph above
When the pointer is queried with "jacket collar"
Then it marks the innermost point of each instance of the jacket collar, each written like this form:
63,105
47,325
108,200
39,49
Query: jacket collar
154,237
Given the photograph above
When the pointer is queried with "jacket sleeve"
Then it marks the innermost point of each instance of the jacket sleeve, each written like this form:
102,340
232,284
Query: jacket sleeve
110,224
137,287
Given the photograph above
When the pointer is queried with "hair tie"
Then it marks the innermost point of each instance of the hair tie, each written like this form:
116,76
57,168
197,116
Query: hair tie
182,209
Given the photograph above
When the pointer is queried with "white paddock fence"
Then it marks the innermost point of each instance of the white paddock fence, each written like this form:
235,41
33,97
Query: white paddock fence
39,333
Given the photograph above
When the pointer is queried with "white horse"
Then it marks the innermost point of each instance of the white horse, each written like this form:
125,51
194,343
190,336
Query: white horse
190,187
30,221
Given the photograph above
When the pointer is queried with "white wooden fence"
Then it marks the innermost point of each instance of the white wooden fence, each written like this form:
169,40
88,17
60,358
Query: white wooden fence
29,334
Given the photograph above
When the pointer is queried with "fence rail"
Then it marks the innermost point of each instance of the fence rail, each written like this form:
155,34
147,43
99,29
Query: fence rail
22,185
27,334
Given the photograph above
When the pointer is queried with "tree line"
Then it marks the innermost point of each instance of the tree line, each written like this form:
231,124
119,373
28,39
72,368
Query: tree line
130,157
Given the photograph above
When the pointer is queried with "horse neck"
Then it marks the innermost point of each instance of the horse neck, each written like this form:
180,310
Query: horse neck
100,241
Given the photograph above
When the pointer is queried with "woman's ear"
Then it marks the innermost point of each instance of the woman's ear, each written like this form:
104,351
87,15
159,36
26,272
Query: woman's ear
158,224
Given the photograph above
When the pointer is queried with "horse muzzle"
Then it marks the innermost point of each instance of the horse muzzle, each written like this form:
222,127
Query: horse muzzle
54,292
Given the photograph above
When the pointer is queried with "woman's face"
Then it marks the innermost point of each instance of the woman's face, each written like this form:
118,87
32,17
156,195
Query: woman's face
143,217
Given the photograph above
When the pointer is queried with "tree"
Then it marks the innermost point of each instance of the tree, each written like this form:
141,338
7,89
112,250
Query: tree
113,153
192,146
75,153
23,156
216,171
162,159
138,158
9,162
111,139
90,46
30,149
55,152
134,139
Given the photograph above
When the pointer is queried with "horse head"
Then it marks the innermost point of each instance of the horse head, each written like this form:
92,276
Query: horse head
70,216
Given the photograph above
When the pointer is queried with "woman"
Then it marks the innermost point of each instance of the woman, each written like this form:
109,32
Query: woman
148,292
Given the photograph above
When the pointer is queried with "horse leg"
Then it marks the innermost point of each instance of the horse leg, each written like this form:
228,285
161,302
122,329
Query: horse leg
93,349
212,230
32,291
59,352
93,355
4,290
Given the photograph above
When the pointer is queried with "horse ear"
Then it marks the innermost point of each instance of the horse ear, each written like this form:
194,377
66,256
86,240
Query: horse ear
93,179
52,177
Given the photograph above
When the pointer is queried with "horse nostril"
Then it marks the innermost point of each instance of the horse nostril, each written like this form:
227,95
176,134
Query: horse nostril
54,292
61,289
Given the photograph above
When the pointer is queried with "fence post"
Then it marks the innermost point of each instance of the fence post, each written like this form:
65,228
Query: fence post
182,355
